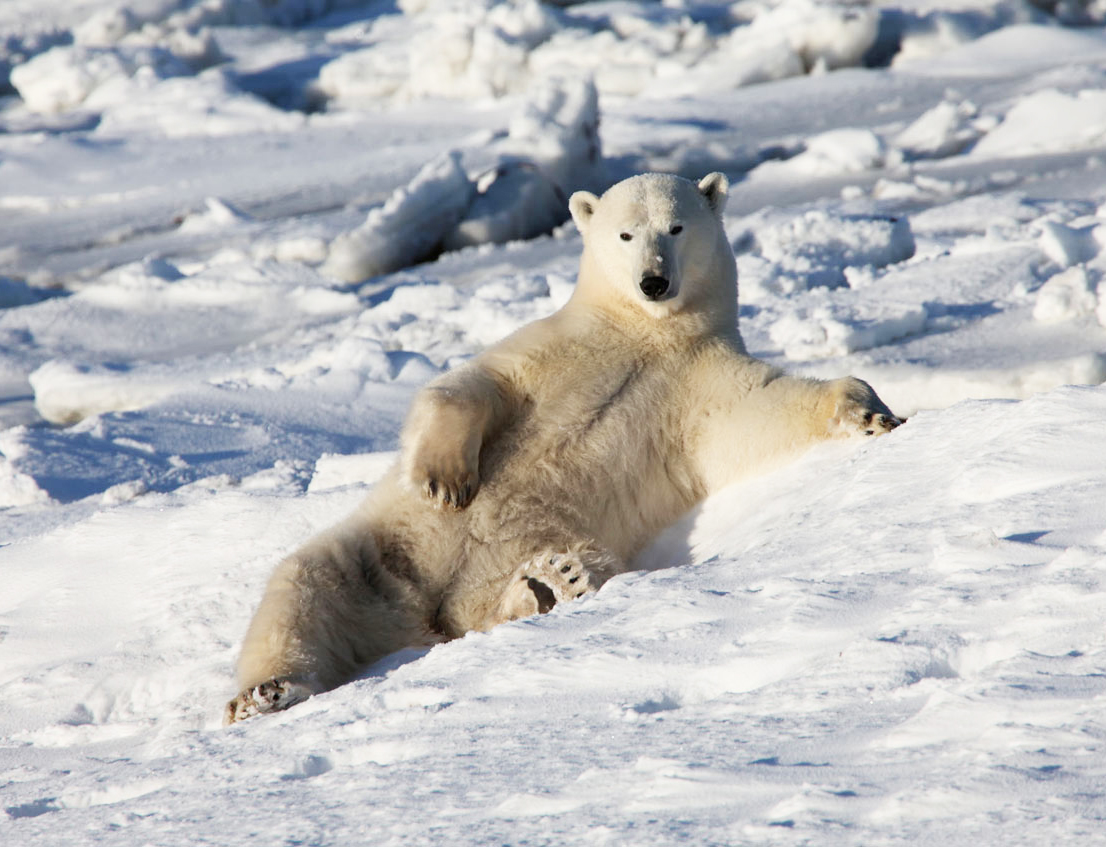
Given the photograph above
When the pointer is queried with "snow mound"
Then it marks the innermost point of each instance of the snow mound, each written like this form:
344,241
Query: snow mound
816,247
492,49
550,150
1069,295
1070,245
944,130
67,392
835,328
66,77
410,227
1048,121
17,488
975,44
838,151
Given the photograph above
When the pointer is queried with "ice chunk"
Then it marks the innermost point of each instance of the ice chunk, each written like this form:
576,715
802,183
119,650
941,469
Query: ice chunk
1067,246
944,130
64,77
551,149
409,228
1066,296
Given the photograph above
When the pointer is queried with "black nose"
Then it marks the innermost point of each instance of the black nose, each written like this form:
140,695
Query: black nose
654,287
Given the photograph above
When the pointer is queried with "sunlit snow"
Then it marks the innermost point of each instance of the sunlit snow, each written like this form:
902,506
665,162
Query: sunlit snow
237,235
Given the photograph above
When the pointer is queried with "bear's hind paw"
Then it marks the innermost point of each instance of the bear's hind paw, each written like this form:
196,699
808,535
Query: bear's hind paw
275,695
542,583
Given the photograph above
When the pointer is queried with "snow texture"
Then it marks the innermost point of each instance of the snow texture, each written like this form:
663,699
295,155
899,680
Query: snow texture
236,236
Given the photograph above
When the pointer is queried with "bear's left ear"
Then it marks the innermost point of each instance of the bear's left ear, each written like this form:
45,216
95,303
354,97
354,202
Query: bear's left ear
582,205
714,187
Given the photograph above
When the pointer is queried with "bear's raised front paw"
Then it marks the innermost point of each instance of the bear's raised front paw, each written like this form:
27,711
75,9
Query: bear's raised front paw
272,696
858,409
446,480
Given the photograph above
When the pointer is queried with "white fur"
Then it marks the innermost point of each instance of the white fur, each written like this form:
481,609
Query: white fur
540,468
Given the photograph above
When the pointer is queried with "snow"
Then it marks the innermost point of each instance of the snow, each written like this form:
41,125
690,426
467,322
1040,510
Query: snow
205,359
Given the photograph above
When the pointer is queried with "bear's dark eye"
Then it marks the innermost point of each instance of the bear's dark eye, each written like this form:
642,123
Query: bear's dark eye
676,230
625,236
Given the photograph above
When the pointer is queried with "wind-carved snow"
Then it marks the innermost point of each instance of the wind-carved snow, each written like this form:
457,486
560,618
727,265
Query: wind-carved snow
898,641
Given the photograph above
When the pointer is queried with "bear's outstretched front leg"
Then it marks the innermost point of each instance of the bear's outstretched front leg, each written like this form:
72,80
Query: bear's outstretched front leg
757,428
551,578
856,408
449,422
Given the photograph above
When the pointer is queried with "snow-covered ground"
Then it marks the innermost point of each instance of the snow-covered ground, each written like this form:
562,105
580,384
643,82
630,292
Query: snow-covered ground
236,236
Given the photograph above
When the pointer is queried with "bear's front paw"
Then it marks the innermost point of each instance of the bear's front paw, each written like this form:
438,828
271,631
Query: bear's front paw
858,409
272,696
447,480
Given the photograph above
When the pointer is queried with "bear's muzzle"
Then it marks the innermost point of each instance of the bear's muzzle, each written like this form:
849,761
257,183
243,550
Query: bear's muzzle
654,287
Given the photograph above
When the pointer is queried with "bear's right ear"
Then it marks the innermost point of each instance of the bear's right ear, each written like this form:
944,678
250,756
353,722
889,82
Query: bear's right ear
714,187
582,205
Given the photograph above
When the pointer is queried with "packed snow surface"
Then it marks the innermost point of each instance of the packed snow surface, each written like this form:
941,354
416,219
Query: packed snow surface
236,236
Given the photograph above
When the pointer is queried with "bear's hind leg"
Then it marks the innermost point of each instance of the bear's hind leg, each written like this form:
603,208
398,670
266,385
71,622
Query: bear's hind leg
330,609
274,695
551,578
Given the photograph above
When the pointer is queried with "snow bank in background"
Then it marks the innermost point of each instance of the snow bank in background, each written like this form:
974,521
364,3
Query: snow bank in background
1048,121
409,228
66,392
932,28
944,130
829,153
1012,49
66,77
490,49
550,150
208,104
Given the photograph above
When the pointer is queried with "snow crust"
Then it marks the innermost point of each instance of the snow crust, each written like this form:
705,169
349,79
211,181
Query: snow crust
236,236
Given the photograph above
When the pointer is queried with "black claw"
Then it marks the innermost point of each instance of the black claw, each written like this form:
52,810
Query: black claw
566,568
573,580
447,498
432,486
867,418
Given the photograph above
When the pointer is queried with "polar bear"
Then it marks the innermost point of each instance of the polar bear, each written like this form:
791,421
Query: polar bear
538,470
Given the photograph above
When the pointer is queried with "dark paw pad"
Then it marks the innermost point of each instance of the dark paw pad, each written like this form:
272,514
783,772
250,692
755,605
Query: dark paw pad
544,594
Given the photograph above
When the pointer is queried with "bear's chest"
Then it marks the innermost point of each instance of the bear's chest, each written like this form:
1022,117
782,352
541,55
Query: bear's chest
598,405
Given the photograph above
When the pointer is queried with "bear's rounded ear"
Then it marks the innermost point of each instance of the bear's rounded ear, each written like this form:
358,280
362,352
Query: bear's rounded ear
714,188
582,205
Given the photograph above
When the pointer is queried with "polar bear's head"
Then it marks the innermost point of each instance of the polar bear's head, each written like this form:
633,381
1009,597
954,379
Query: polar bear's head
657,241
